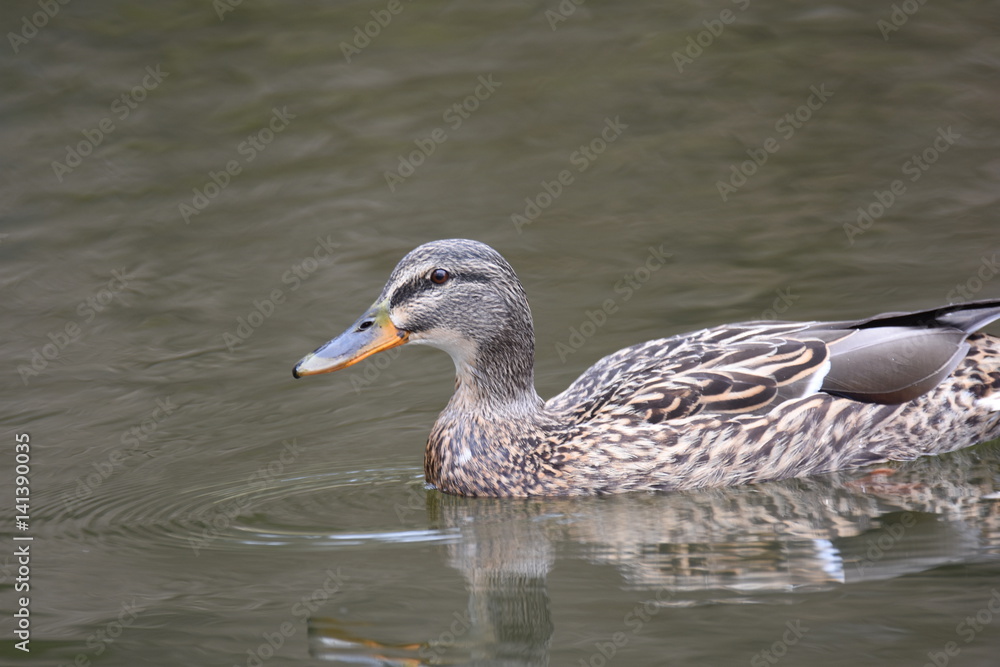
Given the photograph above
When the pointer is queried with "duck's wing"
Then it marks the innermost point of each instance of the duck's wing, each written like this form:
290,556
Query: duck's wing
751,367
702,373
896,357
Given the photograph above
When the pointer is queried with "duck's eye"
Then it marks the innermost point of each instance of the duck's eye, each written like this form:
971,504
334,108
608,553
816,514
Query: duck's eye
439,276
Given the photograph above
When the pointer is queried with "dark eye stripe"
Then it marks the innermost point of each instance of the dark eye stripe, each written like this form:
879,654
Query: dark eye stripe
408,291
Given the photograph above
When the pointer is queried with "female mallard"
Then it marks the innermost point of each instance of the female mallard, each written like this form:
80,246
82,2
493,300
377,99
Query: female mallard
734,404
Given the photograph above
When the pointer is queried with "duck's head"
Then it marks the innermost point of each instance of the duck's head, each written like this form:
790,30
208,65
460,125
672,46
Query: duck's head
458,295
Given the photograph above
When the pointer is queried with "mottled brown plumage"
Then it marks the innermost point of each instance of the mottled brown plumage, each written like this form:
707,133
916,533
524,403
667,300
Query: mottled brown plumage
735,404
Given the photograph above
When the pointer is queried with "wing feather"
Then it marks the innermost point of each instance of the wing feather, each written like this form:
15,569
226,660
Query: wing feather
750,367
708,375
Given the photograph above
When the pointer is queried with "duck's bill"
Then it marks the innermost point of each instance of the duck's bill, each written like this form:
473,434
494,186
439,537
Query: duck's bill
372,333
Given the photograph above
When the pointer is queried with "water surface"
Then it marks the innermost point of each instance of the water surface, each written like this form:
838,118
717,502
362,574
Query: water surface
246,199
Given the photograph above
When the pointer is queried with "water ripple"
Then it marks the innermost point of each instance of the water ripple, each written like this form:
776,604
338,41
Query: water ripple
318,509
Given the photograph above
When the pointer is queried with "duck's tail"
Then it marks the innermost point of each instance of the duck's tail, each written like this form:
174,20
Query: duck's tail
968,317
895,357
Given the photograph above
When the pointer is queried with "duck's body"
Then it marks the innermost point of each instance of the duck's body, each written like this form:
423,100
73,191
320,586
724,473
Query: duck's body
683,412
730,405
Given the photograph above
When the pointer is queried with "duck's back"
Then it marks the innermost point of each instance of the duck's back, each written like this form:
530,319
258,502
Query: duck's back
765,400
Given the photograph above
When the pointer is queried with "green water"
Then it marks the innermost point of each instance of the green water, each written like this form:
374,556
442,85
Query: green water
195,195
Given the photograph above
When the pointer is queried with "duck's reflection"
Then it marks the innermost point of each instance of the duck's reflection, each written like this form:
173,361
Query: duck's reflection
709,546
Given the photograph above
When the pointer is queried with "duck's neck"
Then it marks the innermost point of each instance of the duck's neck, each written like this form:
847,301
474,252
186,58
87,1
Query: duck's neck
486,437
499,378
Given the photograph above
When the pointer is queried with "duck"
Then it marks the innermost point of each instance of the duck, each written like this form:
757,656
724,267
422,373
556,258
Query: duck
734,404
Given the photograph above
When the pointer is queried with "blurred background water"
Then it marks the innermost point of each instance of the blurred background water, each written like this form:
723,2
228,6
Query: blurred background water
196,193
